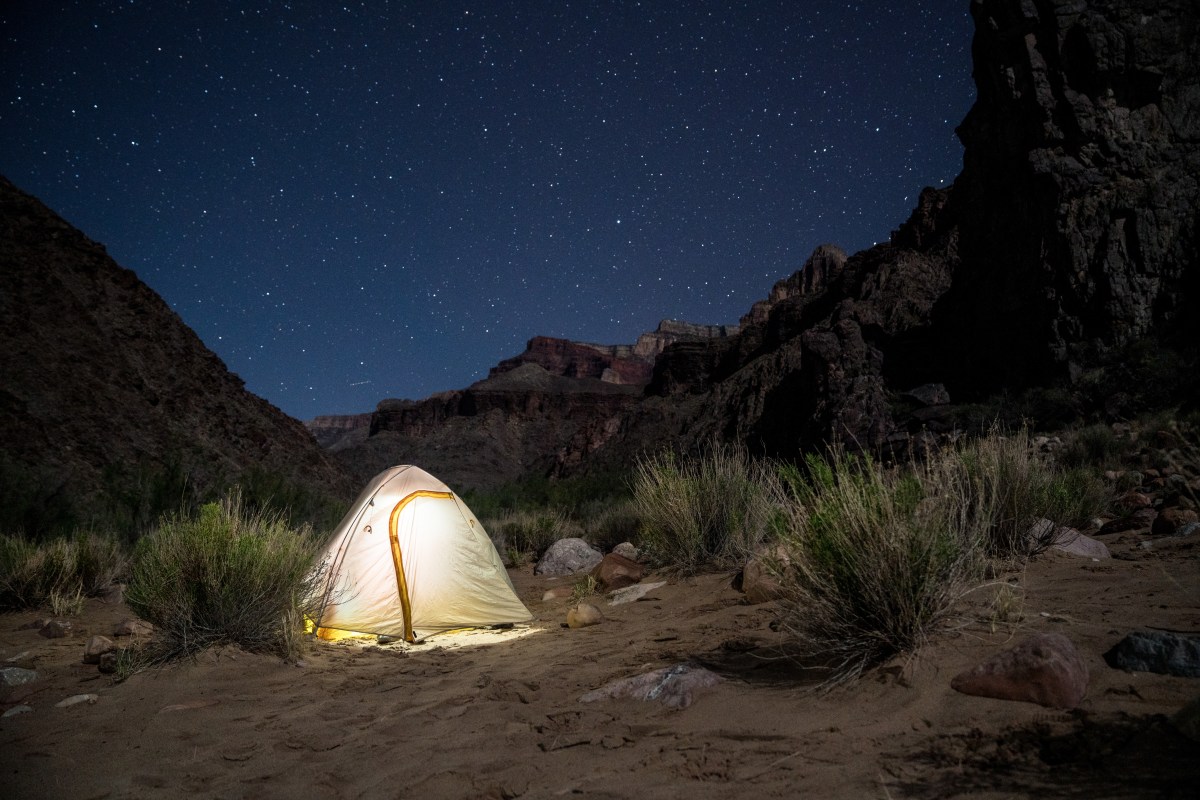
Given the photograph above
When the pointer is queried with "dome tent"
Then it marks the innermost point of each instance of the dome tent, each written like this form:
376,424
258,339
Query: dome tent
408,560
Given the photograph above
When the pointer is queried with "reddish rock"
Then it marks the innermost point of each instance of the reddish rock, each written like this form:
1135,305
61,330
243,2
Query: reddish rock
616,572
133,627
56,629
1136,500
759,583
1170,520
96,647
1045,669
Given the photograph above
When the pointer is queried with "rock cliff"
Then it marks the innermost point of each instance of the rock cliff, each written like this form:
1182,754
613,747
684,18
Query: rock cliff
105,388
1062,258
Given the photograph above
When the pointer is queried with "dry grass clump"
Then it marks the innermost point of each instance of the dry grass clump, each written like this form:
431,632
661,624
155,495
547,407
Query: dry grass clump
876,557
707,511
1012,485
224,576
524,535
58,573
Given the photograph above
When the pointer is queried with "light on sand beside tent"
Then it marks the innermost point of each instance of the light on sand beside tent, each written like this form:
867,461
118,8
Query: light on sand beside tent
409,560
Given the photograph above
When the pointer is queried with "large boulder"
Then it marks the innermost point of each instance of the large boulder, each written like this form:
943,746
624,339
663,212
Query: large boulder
1157,651
568,557
1045,669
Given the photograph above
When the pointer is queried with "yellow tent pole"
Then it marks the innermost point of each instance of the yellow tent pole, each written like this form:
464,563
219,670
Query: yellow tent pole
398,558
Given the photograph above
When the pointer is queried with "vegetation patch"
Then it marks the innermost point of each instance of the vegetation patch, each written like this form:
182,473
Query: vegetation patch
226,575
58,573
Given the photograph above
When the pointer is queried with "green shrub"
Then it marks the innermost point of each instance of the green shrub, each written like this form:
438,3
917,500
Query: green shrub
225,575
710,510
609,522
36,574
1091,446
1012,485
875,557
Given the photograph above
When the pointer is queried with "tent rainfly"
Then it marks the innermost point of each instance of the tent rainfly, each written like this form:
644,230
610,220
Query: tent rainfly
408,560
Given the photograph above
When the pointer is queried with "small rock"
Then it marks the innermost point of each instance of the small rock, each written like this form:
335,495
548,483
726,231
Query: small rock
1135,500
1187,530
21,656
616,572
1045,669
113,594
557,593
1157,651
56,629
1170,520
108,662
133,627
567,557
1071,541
759,583
627,549
77,699
12,712
35,625
633,593
96,647
15,676
674,687
583,615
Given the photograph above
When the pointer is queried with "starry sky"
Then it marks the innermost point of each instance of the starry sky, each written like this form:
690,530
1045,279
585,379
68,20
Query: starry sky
350,201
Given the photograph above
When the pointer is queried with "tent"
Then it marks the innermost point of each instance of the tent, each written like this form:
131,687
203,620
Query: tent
409,559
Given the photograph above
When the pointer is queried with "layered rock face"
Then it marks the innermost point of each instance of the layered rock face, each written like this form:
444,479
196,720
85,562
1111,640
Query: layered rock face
1079,199
104,386
332,430
1070,236
626,364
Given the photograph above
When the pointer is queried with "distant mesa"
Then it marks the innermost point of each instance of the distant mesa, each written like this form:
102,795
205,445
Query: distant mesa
630,365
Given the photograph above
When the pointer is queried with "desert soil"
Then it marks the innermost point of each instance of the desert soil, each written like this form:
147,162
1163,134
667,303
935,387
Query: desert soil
498,714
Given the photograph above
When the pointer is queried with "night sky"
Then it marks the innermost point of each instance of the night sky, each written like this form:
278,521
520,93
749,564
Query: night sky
354,201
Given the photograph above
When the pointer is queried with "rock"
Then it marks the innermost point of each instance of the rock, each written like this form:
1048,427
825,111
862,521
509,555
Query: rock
1135,500
77,699
929,394
674,687
1045,669
633,593
1071,541
627,549
583,615
16,676
114,594
56,629
1170,520
567,557
616,572
557,593
759,583
1157,651
15,710
1187,720
1187,530
36,624
21,656
133,627
96,647
108,662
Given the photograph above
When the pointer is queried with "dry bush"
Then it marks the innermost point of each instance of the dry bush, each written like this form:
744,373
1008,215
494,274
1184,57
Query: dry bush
58,573
705,511
225,576
876,557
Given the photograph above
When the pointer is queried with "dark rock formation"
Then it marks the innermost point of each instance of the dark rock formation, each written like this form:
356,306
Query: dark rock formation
1062,260
333,431
105,388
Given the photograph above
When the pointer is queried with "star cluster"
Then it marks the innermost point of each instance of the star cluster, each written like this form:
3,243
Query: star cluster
352,201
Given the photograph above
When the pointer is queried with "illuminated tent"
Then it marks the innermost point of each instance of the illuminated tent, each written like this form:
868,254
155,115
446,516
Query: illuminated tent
409,559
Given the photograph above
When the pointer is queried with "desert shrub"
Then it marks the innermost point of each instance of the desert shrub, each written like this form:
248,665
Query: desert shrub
1091,446
57,572
875,557
224,575
708,510
524,535
1011,485
608,523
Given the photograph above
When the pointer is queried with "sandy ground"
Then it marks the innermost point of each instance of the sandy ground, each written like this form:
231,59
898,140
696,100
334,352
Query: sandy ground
498,714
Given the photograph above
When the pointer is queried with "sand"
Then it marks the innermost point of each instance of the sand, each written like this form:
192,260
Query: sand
498,714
